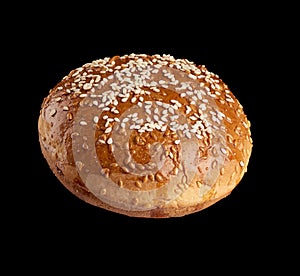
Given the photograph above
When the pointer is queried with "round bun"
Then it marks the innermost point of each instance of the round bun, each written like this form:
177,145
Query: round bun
145,135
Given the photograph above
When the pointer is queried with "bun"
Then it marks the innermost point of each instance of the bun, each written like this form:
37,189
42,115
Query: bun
145,135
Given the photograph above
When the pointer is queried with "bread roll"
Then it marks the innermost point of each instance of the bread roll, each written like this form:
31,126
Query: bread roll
145,135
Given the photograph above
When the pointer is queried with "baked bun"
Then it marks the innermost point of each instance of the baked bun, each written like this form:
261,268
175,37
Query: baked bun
145,135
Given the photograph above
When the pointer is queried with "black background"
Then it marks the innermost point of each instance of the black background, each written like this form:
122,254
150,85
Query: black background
48,218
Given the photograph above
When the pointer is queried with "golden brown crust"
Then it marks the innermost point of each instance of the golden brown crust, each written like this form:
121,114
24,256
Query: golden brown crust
145,136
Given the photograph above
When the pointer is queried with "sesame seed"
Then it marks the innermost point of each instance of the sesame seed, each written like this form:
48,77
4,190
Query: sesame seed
224,151
108,130
83,123
109,141
96,119
52,112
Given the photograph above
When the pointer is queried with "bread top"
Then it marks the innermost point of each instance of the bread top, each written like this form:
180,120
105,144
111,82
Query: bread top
145,136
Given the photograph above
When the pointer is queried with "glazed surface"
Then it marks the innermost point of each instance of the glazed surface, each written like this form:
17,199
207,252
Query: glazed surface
149,136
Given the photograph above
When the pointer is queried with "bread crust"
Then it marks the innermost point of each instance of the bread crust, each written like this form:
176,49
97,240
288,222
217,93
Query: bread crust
145,135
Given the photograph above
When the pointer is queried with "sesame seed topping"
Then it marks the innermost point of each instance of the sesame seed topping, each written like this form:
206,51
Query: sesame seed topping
83,123
109,141
53,112
155,119
96,119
